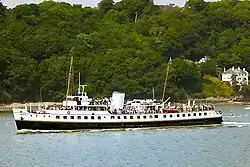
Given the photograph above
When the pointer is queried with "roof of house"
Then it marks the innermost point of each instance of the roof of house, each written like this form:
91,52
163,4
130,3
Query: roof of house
235,71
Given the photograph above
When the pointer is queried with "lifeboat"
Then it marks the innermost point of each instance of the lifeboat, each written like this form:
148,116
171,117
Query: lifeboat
170,110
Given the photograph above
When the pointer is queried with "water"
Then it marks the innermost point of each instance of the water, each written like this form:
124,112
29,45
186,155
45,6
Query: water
213,146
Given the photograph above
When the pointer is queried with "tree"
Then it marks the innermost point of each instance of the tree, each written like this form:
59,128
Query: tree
105,5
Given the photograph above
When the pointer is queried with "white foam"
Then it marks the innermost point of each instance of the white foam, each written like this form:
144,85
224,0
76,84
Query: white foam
236,124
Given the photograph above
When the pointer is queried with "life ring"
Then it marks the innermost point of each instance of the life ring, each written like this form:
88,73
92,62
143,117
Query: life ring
68,112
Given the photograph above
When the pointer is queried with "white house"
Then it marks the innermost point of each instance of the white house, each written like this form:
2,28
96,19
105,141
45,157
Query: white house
203,60
240,74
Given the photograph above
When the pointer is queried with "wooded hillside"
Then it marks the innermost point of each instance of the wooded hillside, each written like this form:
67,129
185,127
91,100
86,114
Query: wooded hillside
122,46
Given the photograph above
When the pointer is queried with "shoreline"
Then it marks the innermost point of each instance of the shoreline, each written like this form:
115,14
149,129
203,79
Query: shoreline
8,107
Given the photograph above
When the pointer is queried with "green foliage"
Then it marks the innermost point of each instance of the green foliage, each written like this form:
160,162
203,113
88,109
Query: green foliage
214,87
210,68
122,46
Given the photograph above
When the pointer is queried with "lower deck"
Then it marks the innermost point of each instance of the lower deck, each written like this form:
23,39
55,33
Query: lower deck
43,125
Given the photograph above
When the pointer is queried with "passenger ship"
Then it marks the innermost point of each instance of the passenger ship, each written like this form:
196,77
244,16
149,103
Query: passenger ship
81,112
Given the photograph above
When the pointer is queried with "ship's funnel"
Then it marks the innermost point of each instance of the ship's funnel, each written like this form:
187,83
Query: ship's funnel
117,101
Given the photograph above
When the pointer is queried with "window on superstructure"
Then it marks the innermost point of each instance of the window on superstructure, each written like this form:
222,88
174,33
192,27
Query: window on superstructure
118,117
199,114
145,117
156,116
112,117
78,117
171,116
71,117
205,113
183,115
64,117
164,116
85,117
131,117
151,116
99,117
178,115
189,114
138,117
194,114
92,117
57,117
125,117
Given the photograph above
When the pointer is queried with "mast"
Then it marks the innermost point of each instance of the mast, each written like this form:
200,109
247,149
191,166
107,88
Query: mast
166,78
69,79
79,82
153,93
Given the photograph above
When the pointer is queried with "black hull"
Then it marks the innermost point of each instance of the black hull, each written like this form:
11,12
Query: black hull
35,125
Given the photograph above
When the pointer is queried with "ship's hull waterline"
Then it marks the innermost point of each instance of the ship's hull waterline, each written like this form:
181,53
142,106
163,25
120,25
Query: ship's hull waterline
43,125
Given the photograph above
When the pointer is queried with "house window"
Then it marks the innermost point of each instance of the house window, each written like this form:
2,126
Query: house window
57,117
71,117
125,117
99,117
64,117
92,117
164,116
156,116
85,117
78,117
131,117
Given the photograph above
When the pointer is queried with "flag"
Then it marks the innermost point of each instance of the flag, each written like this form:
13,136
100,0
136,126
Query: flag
175,76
